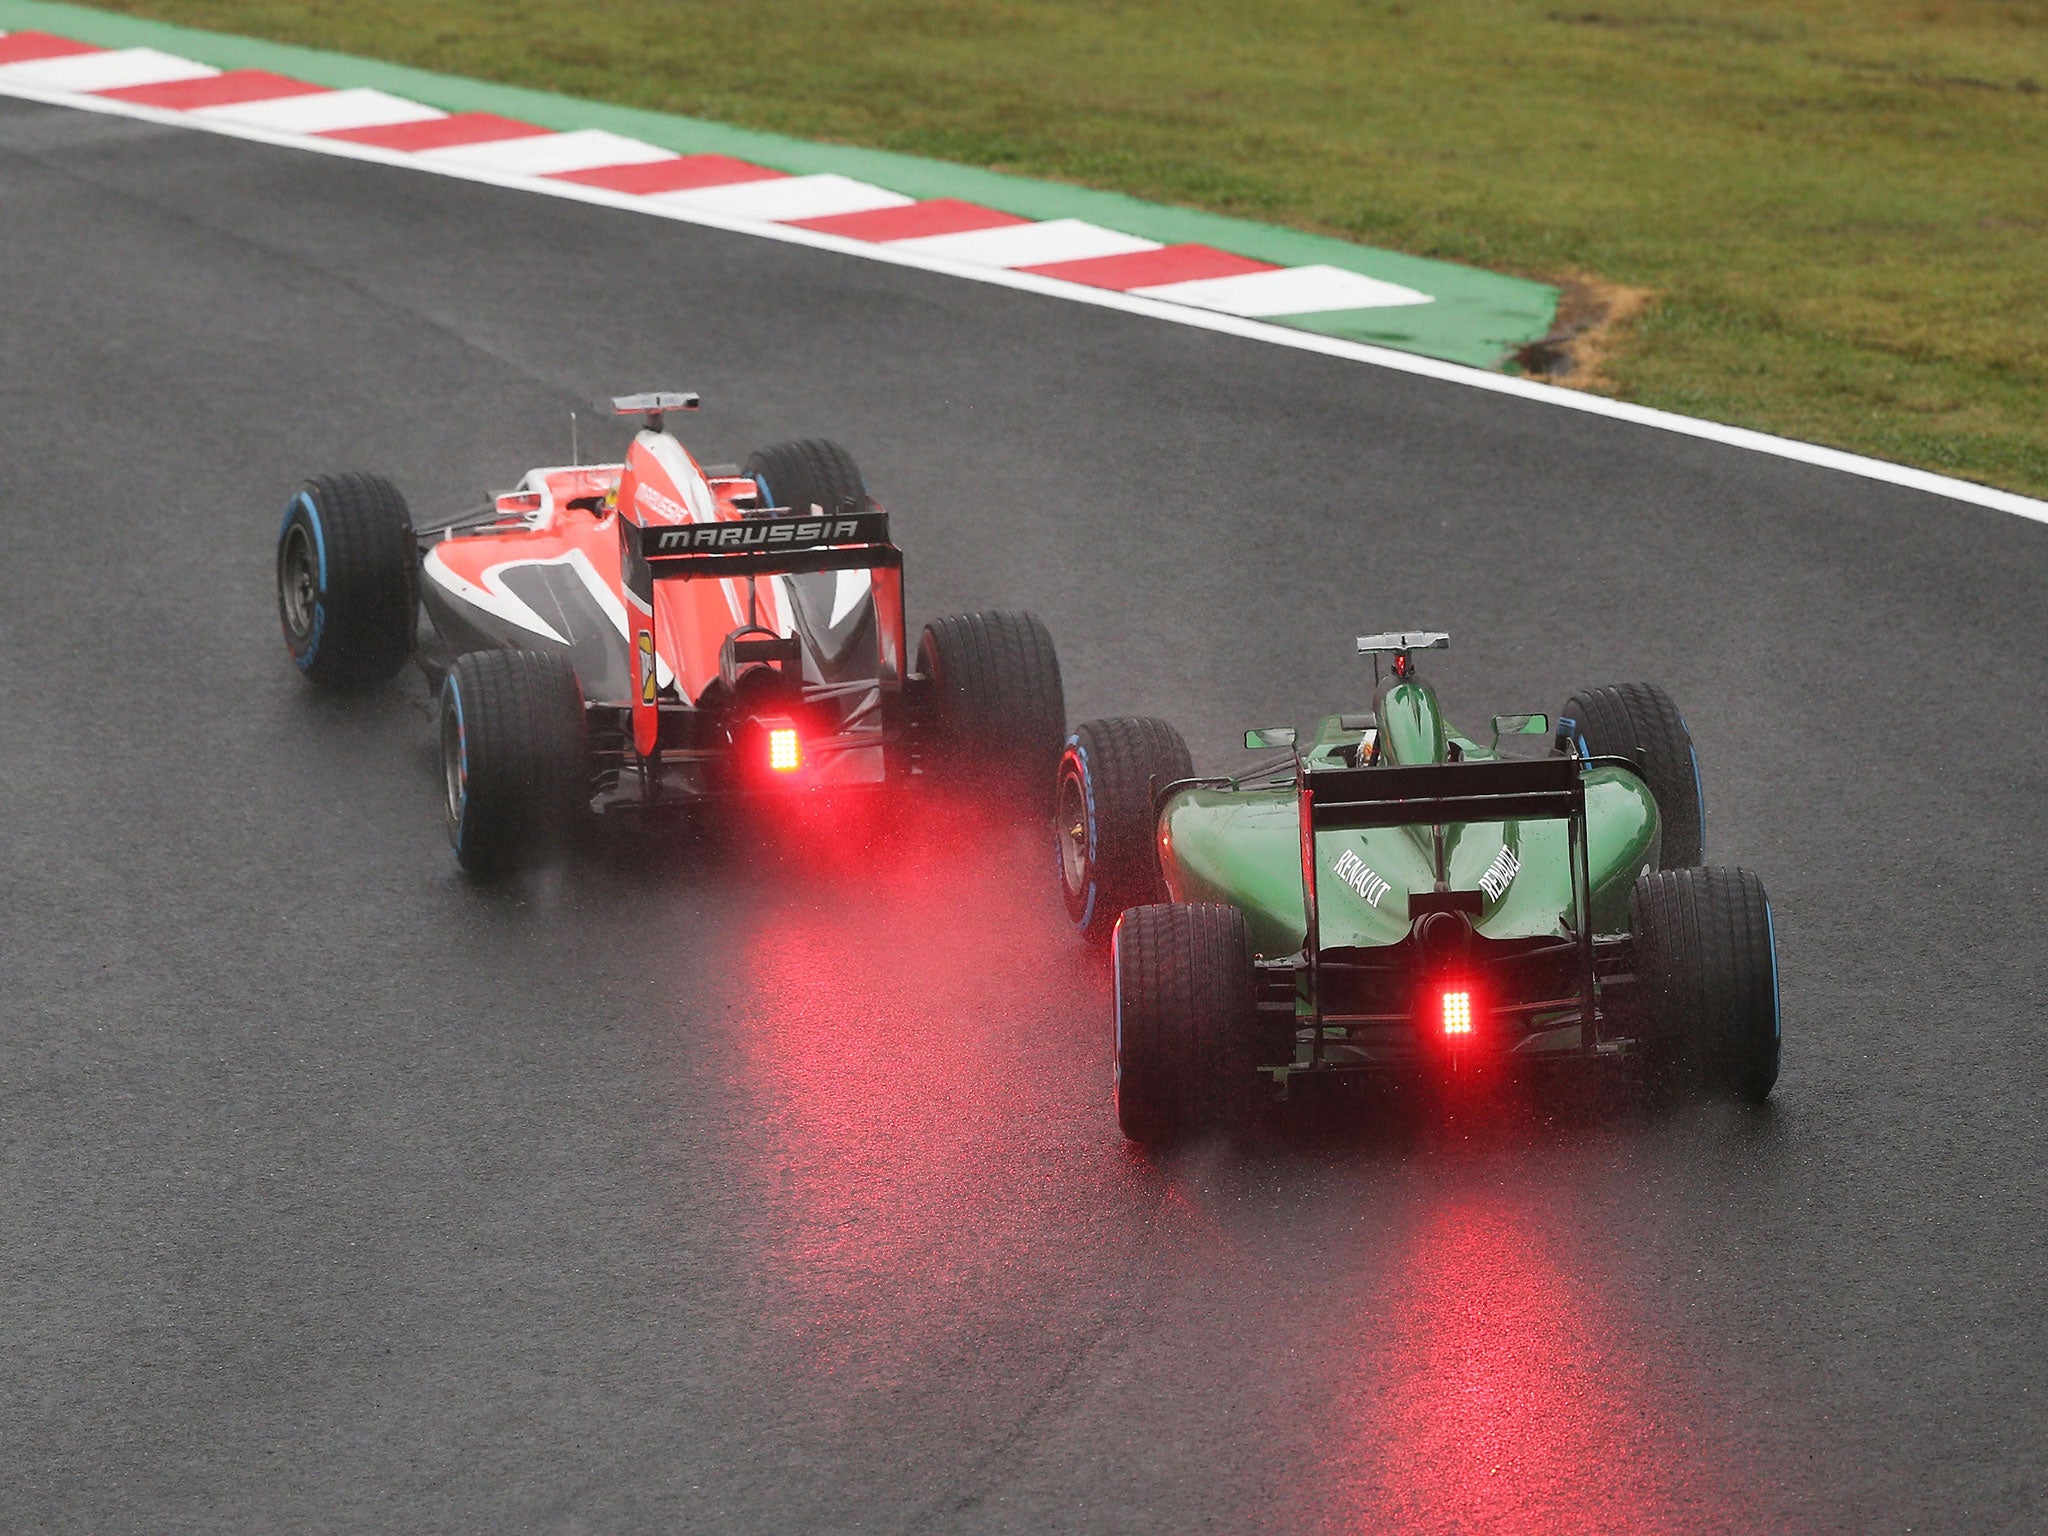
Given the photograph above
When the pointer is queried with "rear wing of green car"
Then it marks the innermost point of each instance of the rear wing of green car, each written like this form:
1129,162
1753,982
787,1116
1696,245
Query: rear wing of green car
1437,795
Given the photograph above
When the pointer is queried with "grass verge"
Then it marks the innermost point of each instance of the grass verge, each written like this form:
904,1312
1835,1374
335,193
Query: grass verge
1822,218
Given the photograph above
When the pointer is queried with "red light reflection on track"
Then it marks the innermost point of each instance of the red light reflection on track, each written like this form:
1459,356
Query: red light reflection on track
900,989
1506,1398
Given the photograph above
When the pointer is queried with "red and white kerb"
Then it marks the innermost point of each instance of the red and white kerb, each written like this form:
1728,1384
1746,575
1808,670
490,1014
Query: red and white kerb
1070,250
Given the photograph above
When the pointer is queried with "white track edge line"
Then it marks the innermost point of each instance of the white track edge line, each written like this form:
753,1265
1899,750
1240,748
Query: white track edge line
1208,320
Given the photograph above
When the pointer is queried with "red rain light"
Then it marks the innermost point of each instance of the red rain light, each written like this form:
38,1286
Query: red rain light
785,750
1457,1013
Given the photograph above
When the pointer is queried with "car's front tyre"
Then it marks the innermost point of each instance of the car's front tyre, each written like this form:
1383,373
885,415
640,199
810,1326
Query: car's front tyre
1106,823
810,472
1640,721
347,580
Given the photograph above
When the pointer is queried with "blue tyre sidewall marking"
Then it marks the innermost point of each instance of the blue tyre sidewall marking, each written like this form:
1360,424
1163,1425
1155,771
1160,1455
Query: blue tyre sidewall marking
319,537
1699,790
1088,802
304,499
1699,796
1777,1017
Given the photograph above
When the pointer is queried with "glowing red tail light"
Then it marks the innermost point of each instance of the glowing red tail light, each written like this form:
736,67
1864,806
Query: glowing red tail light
1457,1013
785,750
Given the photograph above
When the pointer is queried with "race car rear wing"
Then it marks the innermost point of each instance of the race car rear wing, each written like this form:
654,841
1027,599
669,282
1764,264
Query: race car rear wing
1437,795
786,543
775,542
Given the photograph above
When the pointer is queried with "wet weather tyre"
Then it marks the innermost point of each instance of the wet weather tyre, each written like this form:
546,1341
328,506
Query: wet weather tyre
513,757
1640,721
1106,820
1706,994
1185,1022
347,580
807,473
996,712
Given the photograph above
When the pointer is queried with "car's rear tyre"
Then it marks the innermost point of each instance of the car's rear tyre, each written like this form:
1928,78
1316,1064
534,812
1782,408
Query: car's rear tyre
1640,721
1706,993
1105,824
347,580
808,472
1186,1022
514,762
996,712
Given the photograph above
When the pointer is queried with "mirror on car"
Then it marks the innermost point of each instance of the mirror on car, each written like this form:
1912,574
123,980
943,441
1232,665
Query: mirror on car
1269,738
1520,725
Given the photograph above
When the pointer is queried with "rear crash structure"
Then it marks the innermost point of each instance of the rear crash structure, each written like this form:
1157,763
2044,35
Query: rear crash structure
1393,896
654,634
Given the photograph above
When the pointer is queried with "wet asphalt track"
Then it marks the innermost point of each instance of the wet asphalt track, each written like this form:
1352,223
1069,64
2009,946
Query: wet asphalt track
775,1189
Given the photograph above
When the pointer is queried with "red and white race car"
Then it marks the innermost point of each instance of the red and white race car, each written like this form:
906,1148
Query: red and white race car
654,634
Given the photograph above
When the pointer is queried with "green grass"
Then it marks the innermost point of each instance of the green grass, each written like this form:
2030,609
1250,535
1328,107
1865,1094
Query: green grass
1841,206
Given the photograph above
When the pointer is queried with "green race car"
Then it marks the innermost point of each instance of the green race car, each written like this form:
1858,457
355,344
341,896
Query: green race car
1392,895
